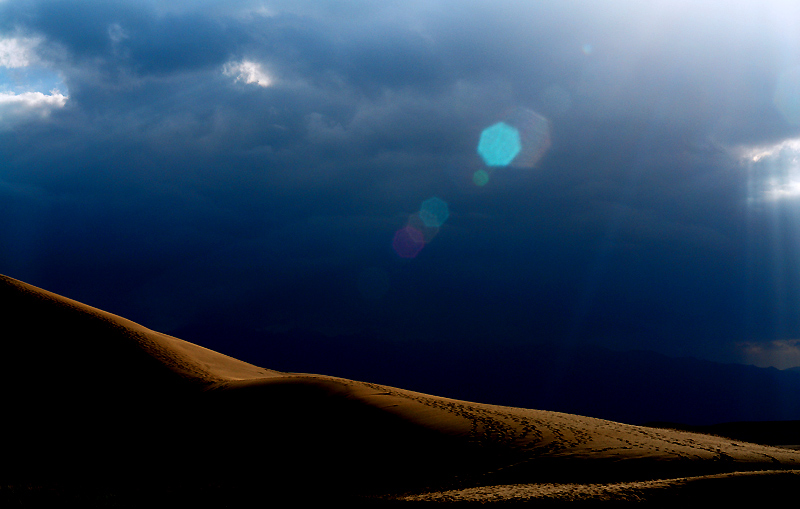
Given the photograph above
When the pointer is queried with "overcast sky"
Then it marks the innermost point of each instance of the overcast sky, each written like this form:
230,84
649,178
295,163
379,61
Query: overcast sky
326,165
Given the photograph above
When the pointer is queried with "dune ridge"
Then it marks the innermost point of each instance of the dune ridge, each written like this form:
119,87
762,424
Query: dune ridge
181,357
92,393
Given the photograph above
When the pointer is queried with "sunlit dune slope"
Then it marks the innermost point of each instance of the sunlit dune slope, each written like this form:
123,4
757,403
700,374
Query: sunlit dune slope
85,391
38,323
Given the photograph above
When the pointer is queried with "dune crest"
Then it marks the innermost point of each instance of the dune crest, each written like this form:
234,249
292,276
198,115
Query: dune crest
181,357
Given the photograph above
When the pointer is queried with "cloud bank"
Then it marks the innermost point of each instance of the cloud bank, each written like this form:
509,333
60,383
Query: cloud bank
259,158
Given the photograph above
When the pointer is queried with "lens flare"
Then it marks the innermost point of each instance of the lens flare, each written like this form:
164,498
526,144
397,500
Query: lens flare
480,178
521,138
534,132
428,232
434,212
408,242
420,228
499,144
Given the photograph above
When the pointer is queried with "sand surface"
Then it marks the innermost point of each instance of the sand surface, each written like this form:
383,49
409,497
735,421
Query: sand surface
91,393
758,486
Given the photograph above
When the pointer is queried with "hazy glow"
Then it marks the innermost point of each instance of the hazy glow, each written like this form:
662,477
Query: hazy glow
499,144
249,72
788,189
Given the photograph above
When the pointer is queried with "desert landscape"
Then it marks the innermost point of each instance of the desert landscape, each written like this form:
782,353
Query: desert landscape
103,412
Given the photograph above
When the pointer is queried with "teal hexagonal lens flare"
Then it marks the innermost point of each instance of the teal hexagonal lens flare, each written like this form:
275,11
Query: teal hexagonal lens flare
499,144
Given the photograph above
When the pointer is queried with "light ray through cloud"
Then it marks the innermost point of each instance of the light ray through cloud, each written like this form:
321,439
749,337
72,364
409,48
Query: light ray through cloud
777,167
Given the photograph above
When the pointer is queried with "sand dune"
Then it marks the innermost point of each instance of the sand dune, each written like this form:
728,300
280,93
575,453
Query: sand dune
88,394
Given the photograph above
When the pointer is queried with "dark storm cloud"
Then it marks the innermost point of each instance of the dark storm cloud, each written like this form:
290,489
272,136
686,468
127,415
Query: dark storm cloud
168,170
124,34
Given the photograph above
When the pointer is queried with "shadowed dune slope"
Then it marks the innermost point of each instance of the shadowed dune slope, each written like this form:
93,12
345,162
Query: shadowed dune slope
87,392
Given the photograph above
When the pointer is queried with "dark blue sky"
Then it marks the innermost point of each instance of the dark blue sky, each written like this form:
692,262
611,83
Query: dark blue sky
254,161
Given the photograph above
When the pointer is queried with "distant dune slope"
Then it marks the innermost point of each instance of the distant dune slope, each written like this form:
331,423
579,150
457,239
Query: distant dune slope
88,392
